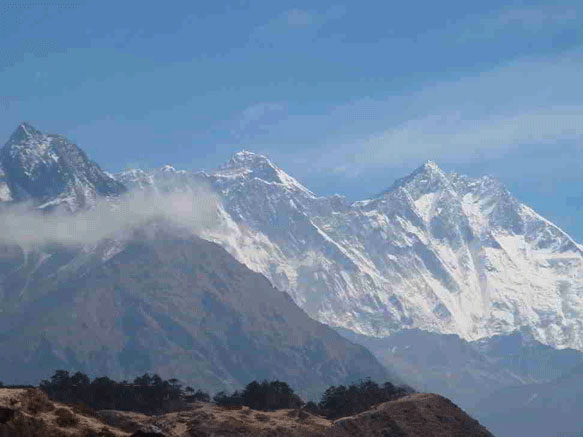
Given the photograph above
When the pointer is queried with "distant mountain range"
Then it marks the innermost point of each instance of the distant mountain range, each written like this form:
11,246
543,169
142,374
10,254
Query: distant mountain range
152,299
427,360
461,279
440,252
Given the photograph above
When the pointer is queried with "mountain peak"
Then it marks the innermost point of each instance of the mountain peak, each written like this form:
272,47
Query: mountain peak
248,159
25,131
167,169
429,166
428,176
51,170
28,129
249,165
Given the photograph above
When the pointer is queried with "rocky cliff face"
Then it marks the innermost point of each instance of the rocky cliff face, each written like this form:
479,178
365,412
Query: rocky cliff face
440,252
51,172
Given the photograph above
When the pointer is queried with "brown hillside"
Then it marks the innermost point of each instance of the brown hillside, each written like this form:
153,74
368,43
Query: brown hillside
28,413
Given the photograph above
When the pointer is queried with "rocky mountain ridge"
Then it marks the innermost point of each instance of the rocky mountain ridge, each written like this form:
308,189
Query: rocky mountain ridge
440,252
51,172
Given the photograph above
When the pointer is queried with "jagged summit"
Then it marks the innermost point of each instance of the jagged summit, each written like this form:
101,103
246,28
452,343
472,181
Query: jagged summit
247,158
50,170
167,168
438,251
26,136
247,166
24,130
250,162
428,176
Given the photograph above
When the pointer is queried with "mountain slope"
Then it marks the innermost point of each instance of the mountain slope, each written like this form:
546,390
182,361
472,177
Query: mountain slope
467,372
165,302
437,251
539,410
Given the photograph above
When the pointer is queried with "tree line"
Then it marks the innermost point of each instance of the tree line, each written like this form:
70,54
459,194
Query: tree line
150,394
337,401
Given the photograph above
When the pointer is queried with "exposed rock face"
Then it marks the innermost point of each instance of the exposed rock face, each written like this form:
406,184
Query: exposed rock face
169,303
51,172
437,251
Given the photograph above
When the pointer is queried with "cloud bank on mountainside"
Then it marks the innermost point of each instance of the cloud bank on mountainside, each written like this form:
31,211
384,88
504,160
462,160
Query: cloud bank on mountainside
24,225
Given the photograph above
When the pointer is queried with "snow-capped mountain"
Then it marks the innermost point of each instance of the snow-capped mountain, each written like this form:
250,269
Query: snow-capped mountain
51,171
440,252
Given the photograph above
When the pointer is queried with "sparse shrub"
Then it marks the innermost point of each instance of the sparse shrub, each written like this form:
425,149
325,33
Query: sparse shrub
262,417
83,410
65,418
35,401
303,415
104,432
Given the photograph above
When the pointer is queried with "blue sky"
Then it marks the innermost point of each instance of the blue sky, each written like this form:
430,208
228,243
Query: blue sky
344,96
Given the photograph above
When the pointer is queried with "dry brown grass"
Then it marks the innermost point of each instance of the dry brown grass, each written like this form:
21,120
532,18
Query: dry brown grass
65,418
414,415
36,416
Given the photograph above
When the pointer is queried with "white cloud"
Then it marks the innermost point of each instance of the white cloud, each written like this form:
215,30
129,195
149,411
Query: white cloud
526,102
454,137
26,226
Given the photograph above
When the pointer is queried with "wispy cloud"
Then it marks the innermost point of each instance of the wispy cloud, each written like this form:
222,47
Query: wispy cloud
457,138
28,227
526,102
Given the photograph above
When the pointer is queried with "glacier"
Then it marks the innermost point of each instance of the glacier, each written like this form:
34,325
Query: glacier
437,251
